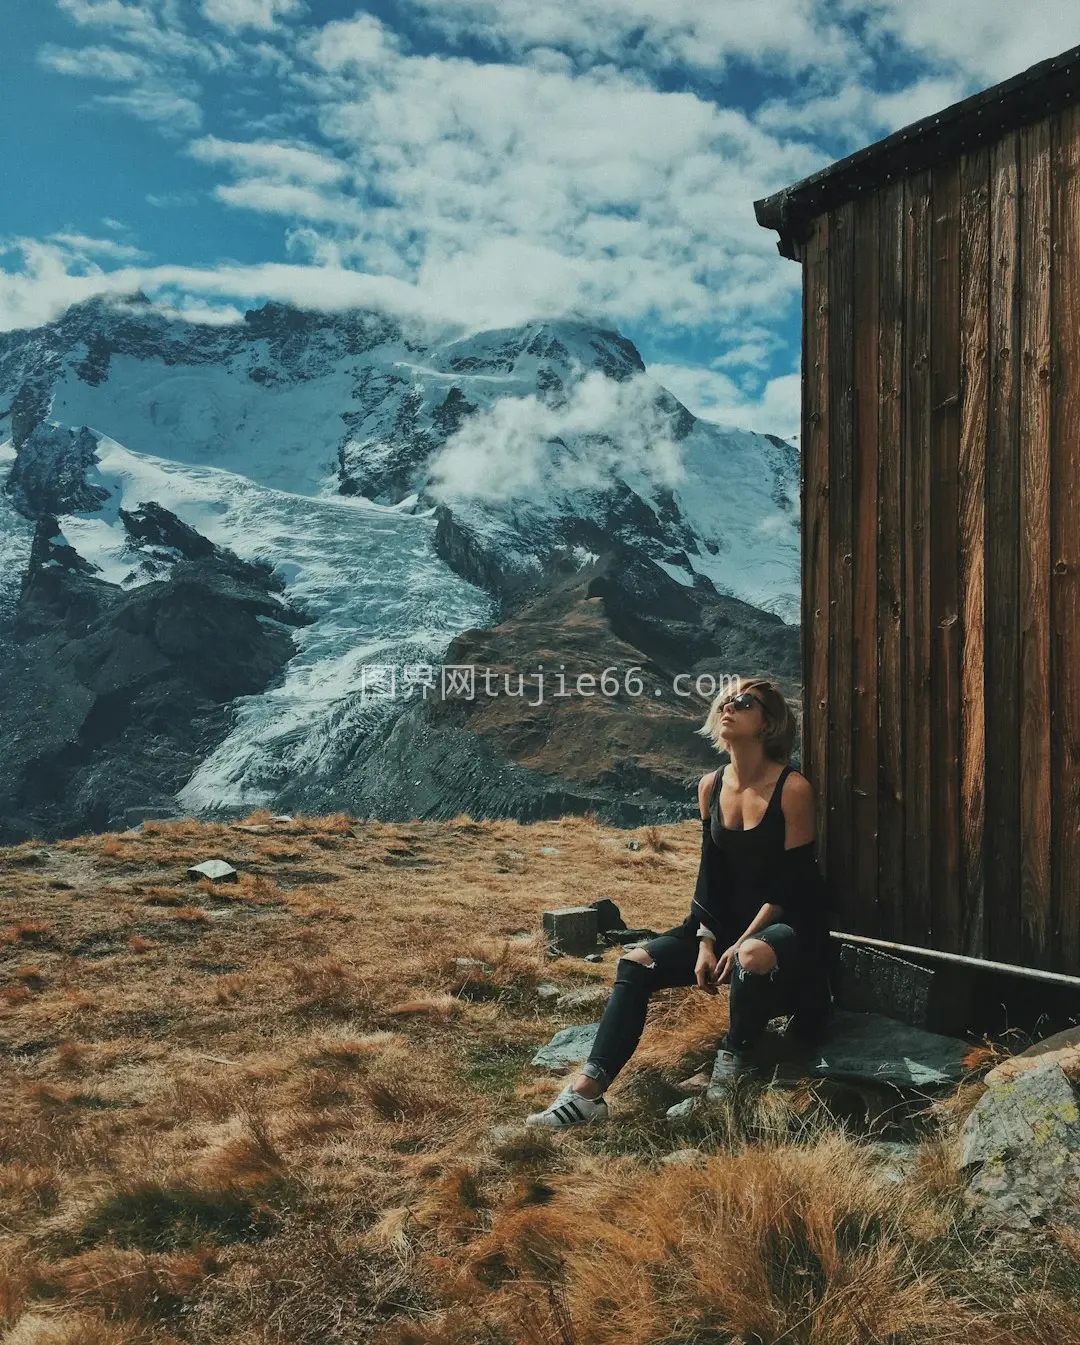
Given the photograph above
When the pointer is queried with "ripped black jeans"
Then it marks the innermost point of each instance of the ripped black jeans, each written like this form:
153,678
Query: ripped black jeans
754,997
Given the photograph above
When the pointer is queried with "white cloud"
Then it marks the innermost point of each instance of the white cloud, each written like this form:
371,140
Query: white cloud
714,396
291,200
45,284
360,42
235,15
509,449
94,62
154,25
279,162
172,111
989,40
786,36
858,113
82,245
171,200
518,191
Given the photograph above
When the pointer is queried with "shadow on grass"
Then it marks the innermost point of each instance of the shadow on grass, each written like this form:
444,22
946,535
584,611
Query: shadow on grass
152,1217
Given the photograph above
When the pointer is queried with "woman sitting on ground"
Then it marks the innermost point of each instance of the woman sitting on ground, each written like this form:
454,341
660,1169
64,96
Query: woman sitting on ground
760,899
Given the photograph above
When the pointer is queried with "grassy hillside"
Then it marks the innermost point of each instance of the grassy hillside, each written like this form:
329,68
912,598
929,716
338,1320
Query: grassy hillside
268,1112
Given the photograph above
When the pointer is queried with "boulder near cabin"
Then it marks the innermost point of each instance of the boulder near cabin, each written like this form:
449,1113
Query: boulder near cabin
940,492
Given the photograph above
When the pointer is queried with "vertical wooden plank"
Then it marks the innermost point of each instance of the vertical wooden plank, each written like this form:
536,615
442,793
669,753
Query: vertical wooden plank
841,443
815,531
1065,533
1034,542
943,705
864,580
915,487
975,377
1002,563
891,531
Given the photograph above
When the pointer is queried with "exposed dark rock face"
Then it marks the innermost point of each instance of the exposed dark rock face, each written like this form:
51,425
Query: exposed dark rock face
49,475
632,758
113,696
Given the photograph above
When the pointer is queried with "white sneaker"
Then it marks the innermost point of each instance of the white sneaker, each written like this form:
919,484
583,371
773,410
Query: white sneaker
570,1108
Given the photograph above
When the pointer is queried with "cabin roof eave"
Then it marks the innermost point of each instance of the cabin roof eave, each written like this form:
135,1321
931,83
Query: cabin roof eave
1034,93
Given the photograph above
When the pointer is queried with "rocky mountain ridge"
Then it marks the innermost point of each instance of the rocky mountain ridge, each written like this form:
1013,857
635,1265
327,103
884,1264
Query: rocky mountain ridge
408,496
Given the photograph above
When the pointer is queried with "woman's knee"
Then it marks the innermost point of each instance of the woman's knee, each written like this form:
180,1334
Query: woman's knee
756,956
639,972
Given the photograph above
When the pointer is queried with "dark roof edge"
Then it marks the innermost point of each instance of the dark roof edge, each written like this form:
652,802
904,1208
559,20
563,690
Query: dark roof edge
1034,93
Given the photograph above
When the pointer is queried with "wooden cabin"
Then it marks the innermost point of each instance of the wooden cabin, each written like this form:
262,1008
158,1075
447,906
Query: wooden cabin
941,522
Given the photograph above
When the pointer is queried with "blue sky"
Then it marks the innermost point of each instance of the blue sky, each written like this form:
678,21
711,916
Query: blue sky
477,162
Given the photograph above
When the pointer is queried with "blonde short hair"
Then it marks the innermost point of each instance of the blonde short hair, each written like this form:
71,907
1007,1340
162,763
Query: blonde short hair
779,726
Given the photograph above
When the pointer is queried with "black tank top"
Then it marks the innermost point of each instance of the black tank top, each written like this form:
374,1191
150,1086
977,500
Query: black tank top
750,853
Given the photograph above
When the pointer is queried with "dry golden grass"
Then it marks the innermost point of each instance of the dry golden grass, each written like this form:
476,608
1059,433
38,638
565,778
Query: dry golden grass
262,1113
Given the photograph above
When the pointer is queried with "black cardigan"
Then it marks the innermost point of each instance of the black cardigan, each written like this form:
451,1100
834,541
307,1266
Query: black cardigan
799,889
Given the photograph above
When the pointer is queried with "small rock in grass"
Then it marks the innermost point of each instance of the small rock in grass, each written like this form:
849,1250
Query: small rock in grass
471,964
697,1083
594,957
584,997
684,1156
504,1134
214,869
683,1109
545,990
281,817
549,849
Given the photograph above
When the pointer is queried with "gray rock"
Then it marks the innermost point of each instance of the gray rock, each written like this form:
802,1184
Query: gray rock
593,957
467,964
896,1157
214,869
256,829
545,990
281,817
694,1156
870,1048
569,1046
1023,1140
571,930
633,845
608,915
49,476
549,849
584,997
503,1134
683,1109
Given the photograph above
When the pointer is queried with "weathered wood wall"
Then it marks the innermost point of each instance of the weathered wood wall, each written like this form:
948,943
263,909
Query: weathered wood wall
941,551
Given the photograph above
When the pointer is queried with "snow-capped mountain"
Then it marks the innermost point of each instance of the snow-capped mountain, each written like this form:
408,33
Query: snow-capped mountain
403,486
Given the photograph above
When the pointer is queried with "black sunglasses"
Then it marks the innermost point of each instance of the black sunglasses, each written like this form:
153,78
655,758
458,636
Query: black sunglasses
742,701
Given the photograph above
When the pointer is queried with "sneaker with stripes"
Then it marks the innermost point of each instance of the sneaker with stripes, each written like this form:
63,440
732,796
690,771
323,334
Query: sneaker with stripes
570,1108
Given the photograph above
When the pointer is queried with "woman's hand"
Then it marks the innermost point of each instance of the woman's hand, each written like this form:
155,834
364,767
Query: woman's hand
725,964
705,970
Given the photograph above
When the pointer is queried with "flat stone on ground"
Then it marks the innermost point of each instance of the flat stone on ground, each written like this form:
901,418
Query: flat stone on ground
214,869
870,1048
569,1046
